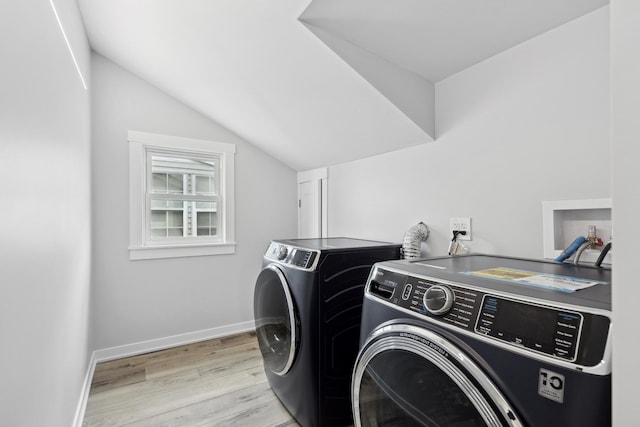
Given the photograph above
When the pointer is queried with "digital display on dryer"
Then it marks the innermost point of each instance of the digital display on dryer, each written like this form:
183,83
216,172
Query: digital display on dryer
545,330
302,258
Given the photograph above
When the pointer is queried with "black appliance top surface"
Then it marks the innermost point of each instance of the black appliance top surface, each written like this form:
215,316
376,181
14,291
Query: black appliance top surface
476,269
334,243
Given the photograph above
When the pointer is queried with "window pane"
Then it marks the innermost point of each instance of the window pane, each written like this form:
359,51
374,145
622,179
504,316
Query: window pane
207,219
206,206
204,219
175,184
183,175
158,232
206,231
207,224
176,175
158,219
164,183
204,185
174,232
159,183
166,223
174,218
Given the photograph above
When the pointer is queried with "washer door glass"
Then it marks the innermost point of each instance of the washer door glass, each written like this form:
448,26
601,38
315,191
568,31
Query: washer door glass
411,379
275,320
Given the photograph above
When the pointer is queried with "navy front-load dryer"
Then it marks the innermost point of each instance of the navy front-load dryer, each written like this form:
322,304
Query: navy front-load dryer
307,307
482,340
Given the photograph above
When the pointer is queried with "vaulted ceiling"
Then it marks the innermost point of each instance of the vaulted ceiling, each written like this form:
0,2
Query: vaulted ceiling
315,82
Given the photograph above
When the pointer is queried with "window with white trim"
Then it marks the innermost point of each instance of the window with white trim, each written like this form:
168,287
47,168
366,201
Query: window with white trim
181,196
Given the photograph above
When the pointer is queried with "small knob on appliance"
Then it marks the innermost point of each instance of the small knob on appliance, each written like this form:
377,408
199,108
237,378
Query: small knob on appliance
282,252
438,299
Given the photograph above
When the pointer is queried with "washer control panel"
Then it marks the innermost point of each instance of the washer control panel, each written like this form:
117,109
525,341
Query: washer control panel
529,325
454,305
304,259
542,329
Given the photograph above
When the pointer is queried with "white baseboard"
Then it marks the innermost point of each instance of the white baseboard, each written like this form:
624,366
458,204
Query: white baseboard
84,393
172,341
142,347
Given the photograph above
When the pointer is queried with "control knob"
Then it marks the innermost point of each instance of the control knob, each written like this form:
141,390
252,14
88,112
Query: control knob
282,252
438,299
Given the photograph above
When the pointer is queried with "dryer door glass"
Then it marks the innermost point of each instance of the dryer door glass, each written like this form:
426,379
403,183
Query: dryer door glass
401,389
412,377
275,320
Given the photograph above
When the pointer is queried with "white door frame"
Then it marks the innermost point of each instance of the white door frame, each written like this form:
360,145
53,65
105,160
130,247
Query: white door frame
321,177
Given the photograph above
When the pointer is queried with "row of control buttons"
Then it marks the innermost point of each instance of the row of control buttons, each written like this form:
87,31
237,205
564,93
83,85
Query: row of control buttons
437,299
291,255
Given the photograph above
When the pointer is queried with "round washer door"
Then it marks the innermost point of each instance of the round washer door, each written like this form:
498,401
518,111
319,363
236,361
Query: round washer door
275,316
409,376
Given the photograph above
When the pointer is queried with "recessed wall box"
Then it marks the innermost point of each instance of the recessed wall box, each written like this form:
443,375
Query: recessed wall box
564,220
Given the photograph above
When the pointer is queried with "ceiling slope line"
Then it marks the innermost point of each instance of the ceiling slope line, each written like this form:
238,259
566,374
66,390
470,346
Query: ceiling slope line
409,92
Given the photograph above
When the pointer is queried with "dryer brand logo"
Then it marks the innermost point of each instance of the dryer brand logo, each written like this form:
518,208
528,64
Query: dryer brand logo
551,385
426,342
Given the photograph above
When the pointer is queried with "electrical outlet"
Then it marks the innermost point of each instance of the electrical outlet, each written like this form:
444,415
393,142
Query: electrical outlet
460,224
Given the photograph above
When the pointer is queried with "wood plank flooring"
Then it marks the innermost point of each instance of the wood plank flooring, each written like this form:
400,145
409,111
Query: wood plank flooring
219,382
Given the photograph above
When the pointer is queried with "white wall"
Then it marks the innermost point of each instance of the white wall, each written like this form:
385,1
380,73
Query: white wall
625,77
136,301
528,125
411,93
45,217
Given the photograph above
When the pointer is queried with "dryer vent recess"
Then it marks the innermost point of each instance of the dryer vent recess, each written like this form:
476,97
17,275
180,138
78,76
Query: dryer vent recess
380,289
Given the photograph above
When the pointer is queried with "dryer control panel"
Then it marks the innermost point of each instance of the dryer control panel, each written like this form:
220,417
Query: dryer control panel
574,336
304,259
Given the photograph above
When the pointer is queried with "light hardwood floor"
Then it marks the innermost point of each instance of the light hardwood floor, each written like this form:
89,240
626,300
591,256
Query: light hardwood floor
219,382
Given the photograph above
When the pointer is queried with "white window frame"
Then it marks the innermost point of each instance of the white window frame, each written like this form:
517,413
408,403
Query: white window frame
143,247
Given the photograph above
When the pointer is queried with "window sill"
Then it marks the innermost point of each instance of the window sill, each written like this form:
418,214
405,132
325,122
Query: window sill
178,251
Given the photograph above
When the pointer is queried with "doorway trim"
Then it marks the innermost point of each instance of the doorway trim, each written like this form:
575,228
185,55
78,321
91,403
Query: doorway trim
321,177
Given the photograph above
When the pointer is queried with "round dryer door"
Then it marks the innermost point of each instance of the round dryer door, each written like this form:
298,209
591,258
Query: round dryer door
408,376
275,320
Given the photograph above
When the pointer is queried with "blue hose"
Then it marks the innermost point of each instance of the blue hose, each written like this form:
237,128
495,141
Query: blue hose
571,249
